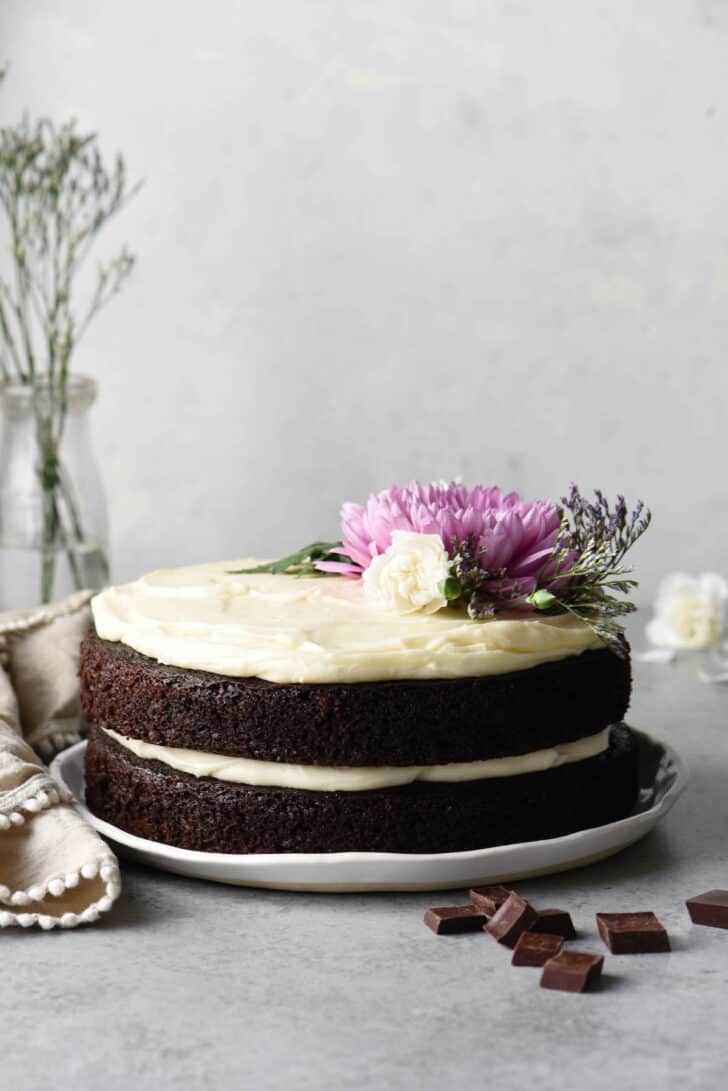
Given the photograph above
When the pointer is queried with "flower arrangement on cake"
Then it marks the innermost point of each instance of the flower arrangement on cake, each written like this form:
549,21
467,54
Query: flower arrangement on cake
422,548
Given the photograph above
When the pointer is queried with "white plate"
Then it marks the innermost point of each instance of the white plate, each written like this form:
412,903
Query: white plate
662,778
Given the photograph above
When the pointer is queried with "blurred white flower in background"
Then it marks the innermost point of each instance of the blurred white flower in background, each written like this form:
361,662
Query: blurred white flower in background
689,612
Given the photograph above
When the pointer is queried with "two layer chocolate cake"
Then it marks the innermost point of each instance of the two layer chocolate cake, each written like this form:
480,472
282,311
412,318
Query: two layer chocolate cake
265,712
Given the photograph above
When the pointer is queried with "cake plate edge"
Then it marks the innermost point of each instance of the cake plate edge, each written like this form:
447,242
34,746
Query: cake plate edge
355,872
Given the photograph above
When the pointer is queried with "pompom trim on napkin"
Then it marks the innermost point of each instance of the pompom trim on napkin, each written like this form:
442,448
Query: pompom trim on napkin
55,870
46,797
105,868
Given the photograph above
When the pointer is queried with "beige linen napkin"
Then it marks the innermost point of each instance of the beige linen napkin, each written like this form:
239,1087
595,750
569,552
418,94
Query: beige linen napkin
54,869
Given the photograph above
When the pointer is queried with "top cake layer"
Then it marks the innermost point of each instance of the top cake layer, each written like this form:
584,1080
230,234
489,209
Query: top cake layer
289,630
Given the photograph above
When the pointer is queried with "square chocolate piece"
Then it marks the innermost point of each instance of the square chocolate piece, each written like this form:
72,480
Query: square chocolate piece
632,933
710,909
535,948
555,922
513,918
489,899
572,971
451,920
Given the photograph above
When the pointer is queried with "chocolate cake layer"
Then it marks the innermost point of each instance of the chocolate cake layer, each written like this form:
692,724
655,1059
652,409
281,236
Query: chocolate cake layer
366,723
149,799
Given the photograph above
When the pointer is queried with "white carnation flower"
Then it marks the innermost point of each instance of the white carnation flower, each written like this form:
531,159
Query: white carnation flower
689,612
406,576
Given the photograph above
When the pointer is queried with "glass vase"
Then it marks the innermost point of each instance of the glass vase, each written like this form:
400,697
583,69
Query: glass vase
53,517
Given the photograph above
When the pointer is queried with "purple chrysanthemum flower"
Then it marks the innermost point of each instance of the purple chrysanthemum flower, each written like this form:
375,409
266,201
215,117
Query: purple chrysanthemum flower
511,538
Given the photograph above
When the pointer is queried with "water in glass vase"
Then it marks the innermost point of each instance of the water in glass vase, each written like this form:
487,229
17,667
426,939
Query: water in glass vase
22,574
53,526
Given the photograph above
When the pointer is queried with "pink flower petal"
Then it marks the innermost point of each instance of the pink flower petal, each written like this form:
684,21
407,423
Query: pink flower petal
339,567
515,535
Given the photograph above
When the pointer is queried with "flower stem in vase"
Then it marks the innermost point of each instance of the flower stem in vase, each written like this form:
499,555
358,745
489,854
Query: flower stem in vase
62,529
57,193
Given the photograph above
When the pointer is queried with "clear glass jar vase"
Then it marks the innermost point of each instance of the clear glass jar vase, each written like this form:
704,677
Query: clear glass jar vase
53,517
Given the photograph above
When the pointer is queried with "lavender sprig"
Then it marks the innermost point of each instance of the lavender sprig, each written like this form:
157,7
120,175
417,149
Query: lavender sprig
484,590
583,576
585,572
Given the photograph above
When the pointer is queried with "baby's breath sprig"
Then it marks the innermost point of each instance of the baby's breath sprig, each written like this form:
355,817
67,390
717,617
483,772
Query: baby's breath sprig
57,193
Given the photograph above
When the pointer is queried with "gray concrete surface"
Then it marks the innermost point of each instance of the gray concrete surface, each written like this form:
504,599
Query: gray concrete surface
191,985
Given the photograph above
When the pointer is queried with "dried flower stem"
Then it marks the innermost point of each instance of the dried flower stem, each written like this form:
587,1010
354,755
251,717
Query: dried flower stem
56,195
586,570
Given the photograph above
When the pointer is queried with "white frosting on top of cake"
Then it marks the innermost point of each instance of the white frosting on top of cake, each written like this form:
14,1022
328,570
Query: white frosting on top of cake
322,778
286,629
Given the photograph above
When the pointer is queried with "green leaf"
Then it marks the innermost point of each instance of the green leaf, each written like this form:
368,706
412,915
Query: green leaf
450,588
300,563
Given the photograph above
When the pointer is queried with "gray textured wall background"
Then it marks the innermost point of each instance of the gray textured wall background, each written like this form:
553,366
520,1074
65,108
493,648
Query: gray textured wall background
400,238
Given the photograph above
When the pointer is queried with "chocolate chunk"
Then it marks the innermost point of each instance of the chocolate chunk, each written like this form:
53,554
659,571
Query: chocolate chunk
632,933
489,899
554,922
513,918
572,971
535,948
710,908
450,920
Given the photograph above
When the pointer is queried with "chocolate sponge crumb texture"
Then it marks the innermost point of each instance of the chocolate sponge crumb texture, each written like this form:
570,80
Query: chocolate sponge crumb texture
150,800
365,724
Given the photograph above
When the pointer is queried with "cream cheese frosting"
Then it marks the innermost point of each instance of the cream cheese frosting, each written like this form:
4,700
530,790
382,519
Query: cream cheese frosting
285,629
321,778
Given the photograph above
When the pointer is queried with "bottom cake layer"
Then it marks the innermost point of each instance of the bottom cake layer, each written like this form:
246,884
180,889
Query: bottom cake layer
153,801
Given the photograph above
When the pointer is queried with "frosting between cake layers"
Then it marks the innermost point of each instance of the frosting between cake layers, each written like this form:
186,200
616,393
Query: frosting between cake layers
321,778
287,630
